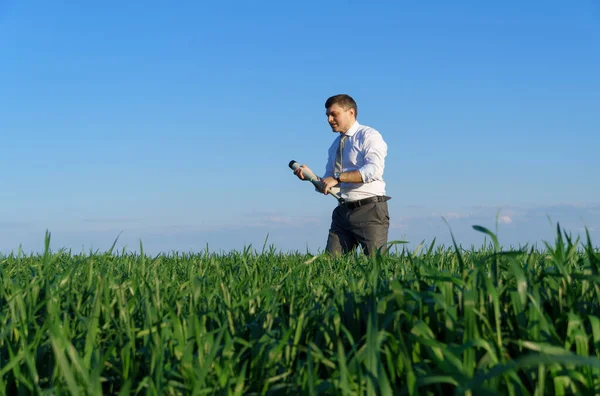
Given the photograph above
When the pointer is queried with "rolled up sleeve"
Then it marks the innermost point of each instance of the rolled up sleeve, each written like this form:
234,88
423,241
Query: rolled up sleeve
329,165
375,151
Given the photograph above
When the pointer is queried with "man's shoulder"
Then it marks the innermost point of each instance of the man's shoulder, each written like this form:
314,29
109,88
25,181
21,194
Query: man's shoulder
366,131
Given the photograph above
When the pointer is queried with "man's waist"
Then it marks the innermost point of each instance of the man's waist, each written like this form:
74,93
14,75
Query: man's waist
365,201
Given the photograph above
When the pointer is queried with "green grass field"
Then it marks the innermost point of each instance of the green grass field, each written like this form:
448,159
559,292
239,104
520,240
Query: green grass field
434,320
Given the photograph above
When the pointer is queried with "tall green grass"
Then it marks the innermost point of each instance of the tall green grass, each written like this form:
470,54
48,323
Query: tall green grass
430,321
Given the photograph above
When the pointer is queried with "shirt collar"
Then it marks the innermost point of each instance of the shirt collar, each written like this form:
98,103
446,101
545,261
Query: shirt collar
350,132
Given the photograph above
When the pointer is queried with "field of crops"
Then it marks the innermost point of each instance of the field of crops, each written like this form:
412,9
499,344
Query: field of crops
432,320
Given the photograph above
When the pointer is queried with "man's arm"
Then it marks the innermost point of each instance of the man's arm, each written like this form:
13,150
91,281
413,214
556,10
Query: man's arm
375,150
330,164
351,177
345,177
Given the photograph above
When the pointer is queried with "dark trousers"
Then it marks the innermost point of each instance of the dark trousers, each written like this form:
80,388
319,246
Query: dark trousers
366,225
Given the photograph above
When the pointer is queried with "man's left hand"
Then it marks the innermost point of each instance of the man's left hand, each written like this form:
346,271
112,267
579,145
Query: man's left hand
327,183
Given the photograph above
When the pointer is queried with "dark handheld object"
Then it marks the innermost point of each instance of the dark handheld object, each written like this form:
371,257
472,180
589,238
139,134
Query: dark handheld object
309,176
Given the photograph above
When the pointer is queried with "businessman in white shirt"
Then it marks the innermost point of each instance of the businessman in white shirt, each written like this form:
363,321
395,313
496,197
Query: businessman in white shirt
355,167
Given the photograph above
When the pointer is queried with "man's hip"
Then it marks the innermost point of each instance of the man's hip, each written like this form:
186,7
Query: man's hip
365,223
354,215
351,205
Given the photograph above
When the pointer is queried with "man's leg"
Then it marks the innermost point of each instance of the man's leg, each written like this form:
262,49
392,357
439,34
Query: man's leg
340,239
370,225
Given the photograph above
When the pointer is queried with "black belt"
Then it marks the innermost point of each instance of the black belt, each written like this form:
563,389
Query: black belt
357,204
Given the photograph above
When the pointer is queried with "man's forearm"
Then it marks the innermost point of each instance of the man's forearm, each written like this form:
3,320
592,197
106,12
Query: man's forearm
351,177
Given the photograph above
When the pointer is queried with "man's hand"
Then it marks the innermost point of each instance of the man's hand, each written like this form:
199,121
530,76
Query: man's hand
298,172
327,183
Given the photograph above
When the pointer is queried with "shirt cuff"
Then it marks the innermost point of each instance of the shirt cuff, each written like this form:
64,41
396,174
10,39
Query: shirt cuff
365,173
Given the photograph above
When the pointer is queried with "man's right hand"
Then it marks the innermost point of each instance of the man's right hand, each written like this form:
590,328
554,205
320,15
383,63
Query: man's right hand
298,171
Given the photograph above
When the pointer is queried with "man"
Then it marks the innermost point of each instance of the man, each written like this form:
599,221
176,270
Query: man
356,168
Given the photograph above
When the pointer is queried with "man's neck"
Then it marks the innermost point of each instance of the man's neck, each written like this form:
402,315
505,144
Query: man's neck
349,128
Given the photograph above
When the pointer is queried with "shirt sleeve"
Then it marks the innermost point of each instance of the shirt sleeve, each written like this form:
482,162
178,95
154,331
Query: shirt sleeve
330,160
375,151
329,165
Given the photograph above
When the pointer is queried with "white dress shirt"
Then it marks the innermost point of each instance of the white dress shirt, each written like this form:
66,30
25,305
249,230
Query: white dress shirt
364,151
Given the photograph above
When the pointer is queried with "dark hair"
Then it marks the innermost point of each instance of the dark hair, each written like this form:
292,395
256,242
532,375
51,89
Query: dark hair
344,101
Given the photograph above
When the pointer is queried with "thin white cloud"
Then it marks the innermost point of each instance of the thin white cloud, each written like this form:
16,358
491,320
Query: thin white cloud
111,220
451,215
267,219
398,225
15,224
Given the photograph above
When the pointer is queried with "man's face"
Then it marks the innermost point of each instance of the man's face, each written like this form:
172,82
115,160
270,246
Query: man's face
340,119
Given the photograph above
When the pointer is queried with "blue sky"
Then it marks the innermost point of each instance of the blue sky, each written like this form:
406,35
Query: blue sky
174,124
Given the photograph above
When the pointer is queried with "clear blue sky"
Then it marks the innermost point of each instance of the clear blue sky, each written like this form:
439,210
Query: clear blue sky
174,124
